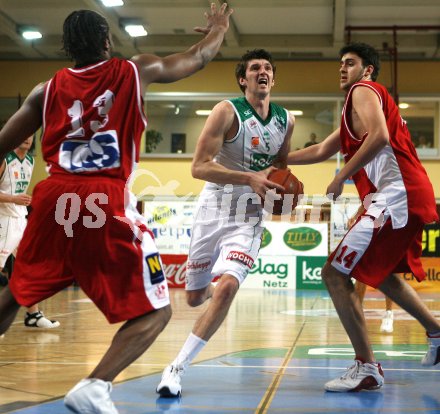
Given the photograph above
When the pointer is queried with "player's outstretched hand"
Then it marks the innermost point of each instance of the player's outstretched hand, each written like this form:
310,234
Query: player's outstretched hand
216,18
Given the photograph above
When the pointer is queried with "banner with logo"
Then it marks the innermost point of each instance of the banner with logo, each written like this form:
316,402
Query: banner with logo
284,239
431,240
175,269
308,272
171,223
271,272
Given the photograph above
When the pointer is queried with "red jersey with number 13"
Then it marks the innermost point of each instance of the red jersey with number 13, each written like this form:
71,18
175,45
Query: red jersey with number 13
93,120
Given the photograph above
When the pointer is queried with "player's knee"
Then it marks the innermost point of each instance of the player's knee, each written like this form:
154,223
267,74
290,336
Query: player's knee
327,273
165,314
195,298
226,289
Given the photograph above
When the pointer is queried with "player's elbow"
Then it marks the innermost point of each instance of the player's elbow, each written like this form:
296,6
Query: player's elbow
197,170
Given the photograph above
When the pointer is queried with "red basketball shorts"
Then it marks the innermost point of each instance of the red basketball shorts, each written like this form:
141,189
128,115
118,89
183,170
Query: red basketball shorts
88,230
371,253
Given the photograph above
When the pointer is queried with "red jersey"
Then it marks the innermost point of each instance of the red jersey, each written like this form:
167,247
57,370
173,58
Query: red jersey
93,120
395,173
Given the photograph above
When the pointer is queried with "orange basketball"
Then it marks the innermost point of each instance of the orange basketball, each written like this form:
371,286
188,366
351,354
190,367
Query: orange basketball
292,186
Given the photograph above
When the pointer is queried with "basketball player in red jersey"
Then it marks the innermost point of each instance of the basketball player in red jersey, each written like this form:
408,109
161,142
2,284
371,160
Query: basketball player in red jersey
398,200
84,226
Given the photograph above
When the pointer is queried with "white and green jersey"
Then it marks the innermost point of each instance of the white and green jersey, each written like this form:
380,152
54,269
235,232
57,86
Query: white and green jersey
15,180
257,142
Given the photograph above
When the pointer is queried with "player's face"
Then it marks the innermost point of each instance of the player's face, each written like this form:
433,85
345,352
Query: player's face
27,143
259,76
351,71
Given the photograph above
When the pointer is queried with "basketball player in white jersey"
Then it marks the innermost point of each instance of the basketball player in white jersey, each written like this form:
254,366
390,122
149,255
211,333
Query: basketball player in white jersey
242,140
15,176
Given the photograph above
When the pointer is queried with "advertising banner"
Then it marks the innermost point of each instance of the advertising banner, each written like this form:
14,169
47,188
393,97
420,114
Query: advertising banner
431,265
171,223
308,272
286,239
175,269
271,272
431,240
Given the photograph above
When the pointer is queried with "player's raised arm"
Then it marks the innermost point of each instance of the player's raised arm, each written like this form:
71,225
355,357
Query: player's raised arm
154,69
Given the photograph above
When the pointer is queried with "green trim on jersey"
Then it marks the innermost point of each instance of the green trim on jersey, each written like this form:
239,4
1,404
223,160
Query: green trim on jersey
246,111
11,156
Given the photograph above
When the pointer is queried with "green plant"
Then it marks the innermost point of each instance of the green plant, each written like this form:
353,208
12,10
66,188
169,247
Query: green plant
152,139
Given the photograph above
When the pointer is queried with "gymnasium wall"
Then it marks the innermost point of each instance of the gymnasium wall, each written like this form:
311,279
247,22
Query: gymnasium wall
296,78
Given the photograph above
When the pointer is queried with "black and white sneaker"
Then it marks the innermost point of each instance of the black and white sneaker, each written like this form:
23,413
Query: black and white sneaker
38,320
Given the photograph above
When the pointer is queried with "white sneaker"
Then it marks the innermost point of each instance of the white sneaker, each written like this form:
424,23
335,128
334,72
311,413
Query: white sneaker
360,376
38,320
387,322
90,396
432,357
169,385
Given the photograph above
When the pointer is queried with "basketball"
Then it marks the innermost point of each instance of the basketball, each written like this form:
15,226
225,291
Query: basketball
292,186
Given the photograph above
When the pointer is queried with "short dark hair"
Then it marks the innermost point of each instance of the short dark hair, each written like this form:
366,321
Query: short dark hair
240,70
367,53
84,35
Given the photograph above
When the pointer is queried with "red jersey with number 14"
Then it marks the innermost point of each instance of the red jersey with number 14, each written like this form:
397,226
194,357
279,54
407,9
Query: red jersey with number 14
93,120
395,176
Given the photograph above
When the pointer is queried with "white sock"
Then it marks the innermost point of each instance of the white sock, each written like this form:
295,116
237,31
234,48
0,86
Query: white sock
189,351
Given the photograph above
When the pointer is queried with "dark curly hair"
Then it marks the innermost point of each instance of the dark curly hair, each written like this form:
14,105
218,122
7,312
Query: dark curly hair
367,53
240,70
84,35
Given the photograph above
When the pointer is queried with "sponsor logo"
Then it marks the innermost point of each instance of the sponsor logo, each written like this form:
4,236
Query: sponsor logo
260,162
386,352
270,272
21,186
302,238
280,270
161,215
255,142
99,153
240,257
252,123
161,291
266,238
431,240
432,275
198,266
174,266
308,272
280,124
155,267
171,232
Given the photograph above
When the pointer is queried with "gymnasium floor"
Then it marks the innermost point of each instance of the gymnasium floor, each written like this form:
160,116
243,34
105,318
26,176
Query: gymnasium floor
272,355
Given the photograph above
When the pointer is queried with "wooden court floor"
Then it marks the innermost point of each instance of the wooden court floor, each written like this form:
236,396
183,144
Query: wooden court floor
273,354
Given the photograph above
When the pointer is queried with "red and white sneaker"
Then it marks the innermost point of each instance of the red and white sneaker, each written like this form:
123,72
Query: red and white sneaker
432,357
360,376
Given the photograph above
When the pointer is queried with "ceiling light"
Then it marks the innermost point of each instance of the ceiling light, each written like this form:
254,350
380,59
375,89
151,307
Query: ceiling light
29,33
112,3
403,105
296,112
135,30
203,112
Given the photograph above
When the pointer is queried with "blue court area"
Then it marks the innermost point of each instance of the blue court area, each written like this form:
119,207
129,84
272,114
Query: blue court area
281,381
